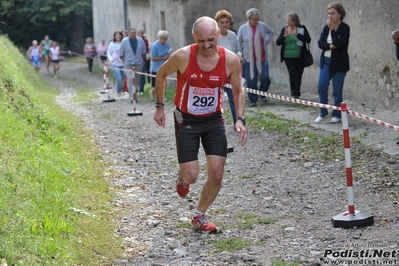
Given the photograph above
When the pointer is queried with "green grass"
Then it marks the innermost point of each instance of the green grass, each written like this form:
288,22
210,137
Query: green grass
327,147
230,244
250,176
55,207
281,262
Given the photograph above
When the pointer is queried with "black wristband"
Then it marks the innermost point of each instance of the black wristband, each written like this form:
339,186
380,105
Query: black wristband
159,104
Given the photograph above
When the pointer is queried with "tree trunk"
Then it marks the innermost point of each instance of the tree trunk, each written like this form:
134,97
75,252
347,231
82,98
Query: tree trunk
75,34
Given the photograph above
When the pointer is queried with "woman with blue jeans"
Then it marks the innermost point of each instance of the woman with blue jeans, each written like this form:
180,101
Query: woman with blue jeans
334,61
116,62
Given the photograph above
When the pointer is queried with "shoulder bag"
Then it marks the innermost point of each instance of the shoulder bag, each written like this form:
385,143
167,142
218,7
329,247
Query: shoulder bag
308,56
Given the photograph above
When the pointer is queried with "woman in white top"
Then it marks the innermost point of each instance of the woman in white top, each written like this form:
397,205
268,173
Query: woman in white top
115,62
55,53
228,39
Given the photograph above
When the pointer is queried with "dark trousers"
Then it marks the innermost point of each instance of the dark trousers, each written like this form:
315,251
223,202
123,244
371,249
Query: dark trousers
146,69
89,64
295,69
229,92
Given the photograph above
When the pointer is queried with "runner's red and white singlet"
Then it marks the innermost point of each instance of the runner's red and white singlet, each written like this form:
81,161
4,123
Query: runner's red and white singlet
199,92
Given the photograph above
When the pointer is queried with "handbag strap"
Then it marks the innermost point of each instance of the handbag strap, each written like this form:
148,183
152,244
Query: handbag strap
307,47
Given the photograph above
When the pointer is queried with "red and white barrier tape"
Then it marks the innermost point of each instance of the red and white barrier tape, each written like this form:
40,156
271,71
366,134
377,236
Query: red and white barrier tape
304,102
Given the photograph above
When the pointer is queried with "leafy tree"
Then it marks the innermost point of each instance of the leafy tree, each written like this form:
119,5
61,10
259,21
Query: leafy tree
66,21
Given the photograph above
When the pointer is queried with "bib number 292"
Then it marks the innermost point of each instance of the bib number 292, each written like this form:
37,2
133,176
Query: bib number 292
203,101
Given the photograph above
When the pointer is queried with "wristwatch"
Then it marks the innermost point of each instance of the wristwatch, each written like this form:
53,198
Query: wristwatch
159,104
241,118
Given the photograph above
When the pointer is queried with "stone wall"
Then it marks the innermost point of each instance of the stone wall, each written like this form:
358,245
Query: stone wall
106,19
373,78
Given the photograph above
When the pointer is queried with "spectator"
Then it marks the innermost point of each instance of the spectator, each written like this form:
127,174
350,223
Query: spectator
34,53
334,59
133,54
293,39
124,34
395,38
231,27
115,62
253,38
146,67
228,40
90,53
160,52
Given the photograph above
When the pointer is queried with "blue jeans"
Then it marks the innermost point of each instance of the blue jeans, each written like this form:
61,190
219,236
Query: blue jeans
129,75
119,76
337,85
253,83
229,92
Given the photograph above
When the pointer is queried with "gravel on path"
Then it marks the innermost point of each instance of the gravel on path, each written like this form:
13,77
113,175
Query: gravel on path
272,198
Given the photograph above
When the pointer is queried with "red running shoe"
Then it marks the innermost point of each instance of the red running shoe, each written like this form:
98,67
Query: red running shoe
200,222
181,187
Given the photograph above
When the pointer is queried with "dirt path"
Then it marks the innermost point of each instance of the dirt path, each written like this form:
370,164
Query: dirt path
272,197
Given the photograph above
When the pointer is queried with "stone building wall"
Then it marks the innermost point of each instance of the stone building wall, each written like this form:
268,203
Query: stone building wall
373,78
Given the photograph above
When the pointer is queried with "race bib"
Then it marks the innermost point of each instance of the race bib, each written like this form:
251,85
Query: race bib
202,100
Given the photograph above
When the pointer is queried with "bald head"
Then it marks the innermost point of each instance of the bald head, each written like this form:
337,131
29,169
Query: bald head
205,22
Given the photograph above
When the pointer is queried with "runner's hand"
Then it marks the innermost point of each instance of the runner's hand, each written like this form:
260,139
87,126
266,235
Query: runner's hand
240,128
159,116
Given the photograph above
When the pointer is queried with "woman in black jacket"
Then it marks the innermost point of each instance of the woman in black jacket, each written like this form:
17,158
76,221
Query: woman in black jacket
334,61
293,39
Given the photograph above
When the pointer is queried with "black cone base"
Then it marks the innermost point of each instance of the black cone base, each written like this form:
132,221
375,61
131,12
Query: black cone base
109,99
348,220
134,113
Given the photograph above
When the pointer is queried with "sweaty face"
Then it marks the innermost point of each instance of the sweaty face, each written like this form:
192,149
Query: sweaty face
206,37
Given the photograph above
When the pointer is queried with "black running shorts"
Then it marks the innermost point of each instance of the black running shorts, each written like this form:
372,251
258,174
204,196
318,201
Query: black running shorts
189,130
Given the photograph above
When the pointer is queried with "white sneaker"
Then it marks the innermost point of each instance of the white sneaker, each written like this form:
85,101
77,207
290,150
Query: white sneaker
118,96
319,119
335,120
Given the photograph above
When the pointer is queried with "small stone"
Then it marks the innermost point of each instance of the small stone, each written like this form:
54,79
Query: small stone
248,258
308,164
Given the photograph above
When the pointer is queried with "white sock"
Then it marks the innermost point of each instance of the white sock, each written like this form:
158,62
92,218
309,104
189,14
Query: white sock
197,212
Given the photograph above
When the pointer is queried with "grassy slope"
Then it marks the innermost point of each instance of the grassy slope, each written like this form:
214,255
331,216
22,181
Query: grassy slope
47,168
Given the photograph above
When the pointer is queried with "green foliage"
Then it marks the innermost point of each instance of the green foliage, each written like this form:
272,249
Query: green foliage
44,17
48,170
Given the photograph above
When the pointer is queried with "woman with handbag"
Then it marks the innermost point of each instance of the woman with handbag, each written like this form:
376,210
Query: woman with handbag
334,60
293,39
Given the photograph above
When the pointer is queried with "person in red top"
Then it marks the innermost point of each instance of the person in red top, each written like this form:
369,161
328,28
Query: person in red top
202,70
146,66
